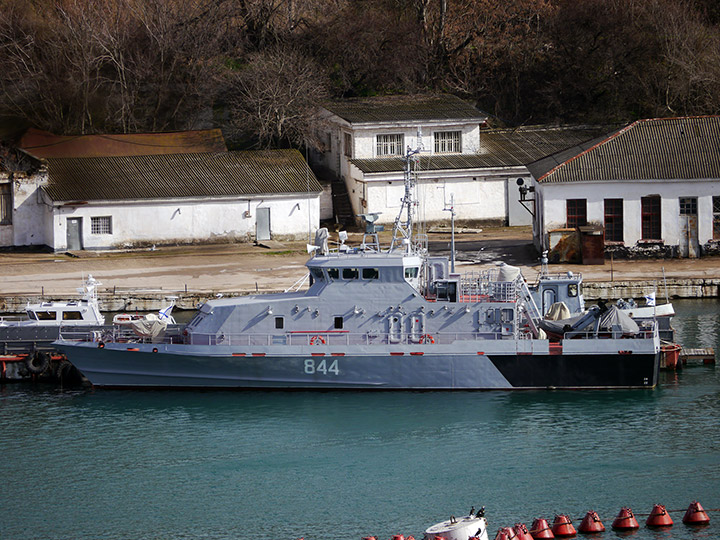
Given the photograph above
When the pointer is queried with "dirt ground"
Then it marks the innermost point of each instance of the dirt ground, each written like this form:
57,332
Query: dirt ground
278,265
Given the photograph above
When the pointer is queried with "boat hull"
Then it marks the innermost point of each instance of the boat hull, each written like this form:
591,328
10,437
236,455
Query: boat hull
435,368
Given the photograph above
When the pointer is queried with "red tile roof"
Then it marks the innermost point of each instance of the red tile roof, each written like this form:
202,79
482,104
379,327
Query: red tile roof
43,144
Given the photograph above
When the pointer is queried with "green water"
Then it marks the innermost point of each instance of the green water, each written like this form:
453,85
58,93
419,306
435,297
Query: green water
280,465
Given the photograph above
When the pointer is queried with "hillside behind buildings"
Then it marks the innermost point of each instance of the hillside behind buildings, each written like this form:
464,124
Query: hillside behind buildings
260,68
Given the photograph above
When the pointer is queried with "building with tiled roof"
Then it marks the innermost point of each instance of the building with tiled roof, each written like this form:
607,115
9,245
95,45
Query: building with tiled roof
462,160
124,199
654,183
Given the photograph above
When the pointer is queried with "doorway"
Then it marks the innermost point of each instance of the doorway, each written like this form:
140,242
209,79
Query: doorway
262,225
74,234
689,244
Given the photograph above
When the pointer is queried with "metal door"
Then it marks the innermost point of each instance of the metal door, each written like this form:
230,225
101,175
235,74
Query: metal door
689,244
262,224
74,234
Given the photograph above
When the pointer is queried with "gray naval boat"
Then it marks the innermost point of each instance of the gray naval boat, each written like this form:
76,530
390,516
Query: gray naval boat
374,318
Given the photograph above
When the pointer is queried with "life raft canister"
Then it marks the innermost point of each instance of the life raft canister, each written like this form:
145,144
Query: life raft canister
659,517
540,529
591,523
696,515
625,520
563,527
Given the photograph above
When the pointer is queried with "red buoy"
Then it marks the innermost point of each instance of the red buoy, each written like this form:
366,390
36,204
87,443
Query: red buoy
591,523
696,515
502,534
563,527
659,517
540,529
625,520
521,532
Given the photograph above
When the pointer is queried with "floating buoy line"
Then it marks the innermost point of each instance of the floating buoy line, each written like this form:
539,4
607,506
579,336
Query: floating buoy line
562,526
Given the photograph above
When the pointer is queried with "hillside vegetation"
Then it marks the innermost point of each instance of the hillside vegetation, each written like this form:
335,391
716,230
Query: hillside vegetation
259,68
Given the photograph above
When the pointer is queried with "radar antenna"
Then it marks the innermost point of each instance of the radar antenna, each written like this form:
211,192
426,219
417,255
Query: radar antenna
403,230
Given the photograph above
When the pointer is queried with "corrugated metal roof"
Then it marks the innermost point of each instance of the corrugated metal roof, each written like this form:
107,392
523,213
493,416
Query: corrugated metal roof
655,149
43,144
426,163
223,174
500,148
520,146
404,109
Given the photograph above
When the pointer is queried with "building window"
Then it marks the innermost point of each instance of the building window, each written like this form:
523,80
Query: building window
101,225
688,206
576,213
347,144
650,208
614,220
716,217
390,145
447,142
6,204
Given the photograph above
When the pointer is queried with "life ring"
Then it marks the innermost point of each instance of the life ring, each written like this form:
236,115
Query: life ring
427,338
38,362
317,340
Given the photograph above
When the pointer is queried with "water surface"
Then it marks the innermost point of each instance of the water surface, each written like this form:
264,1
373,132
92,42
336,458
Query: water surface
341,465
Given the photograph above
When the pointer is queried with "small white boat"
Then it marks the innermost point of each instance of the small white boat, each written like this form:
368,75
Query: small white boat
83,312
463,528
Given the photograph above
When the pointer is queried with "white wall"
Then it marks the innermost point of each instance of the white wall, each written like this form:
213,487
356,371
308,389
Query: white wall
475,198
185,221
554,196
29,213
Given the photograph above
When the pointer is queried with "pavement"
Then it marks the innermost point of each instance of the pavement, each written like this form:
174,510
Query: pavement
246,267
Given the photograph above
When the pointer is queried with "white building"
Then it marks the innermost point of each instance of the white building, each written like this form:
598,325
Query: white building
653,186
114,202
462,160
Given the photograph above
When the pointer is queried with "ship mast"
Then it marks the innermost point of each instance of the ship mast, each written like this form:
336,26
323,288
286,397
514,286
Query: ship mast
403,230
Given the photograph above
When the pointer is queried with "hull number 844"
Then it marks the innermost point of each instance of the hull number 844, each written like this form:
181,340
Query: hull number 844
321,366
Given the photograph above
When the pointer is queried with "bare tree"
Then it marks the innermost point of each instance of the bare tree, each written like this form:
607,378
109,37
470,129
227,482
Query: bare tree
276,97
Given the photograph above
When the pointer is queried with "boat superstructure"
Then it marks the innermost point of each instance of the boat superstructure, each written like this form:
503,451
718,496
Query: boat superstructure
379,319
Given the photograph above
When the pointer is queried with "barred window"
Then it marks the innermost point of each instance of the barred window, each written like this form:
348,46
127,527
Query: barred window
651,217
576,213
101,225
447,142
390,145
347,144
716,217
5,204
688,206
614,220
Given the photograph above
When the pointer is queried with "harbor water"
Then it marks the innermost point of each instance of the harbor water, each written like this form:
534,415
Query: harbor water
84,464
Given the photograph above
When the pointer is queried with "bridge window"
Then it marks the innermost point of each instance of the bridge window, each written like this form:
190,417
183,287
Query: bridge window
411,273
279,323
317,274
46,315
350,273
339,323
370,273
333,273
72,316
